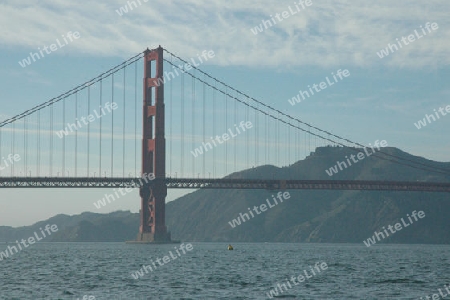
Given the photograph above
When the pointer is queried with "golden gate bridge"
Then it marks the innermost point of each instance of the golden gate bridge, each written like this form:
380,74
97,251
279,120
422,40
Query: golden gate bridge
94,135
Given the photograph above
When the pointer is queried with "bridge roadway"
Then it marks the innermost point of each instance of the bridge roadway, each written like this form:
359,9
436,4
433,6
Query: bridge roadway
203,183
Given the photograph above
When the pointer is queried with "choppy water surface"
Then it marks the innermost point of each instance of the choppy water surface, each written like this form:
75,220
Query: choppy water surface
210,271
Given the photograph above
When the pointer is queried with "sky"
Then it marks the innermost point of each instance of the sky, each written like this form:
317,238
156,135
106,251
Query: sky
269,50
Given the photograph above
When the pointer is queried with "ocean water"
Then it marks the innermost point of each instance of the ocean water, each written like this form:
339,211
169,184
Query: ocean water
210,271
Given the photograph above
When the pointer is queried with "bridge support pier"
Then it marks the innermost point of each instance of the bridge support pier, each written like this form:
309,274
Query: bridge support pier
153,228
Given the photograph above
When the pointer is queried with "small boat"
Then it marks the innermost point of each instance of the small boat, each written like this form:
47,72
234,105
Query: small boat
230,247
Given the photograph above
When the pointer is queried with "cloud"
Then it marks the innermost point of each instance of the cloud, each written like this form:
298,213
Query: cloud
327,34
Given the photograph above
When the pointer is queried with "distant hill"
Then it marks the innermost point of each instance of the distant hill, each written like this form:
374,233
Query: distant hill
317,215
86,227
308,216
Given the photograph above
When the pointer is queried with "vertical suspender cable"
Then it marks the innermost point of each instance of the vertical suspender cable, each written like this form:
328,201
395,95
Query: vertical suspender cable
112,127
247,134
309,139
193,124
100,131
182,124
305,143
289,146
315,143
204,123
296,145
270,156
38,143
1,129
12,145
25,146
235,141
226,126
135,119
277,143
266,140
299,142
1,146
51,140
214,130
64,140
171,123
76,135
89,129
123,124
256,136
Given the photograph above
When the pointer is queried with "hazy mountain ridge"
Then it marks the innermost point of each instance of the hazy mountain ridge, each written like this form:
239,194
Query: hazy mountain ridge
85,227
318,216
308,216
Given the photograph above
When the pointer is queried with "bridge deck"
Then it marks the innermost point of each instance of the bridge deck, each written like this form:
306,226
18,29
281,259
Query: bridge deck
203,183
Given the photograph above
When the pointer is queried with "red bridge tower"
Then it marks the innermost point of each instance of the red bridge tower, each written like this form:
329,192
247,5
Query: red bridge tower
153,227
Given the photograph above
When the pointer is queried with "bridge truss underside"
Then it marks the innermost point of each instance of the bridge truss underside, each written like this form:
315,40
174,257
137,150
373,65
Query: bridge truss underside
202,183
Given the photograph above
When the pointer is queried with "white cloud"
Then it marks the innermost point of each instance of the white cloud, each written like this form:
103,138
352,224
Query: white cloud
329,33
